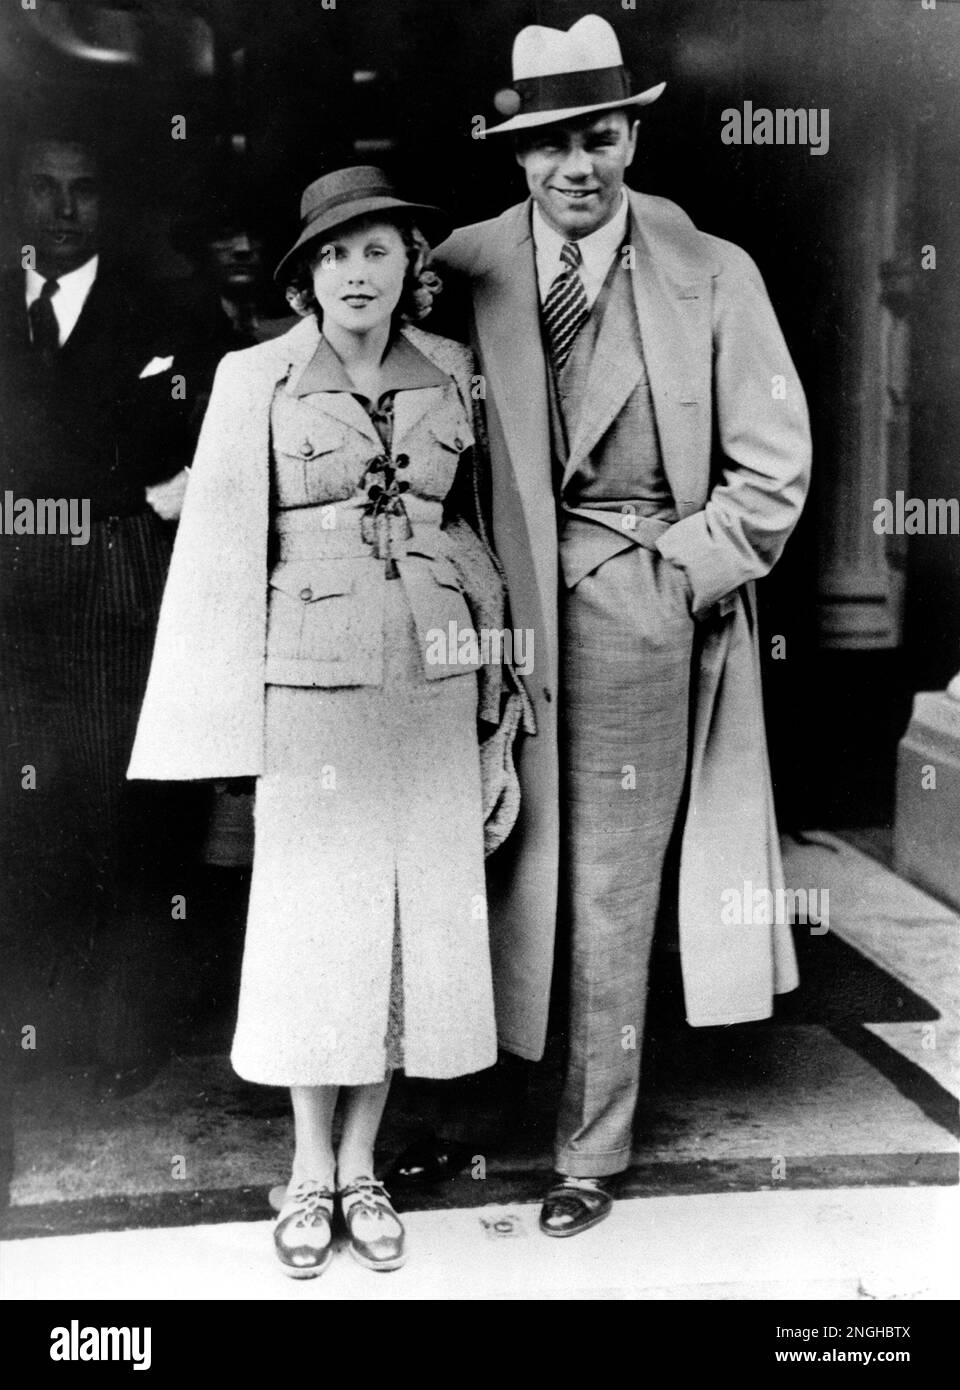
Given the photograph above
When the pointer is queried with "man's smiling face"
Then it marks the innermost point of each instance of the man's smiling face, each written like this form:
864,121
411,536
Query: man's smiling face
575,170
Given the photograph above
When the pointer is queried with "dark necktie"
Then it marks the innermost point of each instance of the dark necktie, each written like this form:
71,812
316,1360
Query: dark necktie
565,308
44,329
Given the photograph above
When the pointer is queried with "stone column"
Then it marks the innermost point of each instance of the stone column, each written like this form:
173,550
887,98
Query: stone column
861,583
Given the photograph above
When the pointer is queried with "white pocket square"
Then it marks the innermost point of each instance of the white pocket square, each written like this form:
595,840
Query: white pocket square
157,365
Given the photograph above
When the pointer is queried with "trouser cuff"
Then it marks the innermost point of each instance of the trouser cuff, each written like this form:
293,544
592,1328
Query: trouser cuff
604,1165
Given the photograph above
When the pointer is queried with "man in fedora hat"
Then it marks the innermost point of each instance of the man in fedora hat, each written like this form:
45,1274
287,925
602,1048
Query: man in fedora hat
650,456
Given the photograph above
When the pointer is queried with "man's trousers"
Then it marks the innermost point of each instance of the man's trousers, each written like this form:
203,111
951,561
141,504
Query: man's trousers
626,648
83,924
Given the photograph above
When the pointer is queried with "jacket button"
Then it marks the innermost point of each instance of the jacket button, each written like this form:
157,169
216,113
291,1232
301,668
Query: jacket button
306,448
546,695
306,594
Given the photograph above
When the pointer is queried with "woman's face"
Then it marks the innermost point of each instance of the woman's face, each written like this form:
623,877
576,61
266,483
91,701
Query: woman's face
358,274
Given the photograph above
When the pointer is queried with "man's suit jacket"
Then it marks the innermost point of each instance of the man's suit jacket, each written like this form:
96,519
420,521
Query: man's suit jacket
77,620
734,437
88,425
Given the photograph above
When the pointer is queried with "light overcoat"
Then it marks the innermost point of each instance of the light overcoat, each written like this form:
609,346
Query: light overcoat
734,438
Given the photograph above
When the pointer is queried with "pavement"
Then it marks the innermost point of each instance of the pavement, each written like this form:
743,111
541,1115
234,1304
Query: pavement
811,1157
843,1244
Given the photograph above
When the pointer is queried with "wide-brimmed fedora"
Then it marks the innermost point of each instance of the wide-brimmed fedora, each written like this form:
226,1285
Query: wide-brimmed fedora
559,75
358,191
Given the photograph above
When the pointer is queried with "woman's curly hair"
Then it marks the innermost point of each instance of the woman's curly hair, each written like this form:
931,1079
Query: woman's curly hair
420,285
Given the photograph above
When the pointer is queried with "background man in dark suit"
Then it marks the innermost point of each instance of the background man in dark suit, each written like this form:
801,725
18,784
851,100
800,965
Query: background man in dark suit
91,409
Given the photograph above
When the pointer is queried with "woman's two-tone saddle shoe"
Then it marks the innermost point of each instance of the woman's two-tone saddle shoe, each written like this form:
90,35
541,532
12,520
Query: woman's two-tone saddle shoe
377,1237
303,1232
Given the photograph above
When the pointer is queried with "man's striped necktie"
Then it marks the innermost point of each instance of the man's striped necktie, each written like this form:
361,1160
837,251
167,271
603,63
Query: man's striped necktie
565,308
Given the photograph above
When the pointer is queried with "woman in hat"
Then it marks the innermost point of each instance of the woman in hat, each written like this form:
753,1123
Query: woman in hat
330,566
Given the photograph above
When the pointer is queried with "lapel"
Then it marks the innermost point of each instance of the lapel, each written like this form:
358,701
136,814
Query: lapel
117,333
409,407
508,328
348,410
672,289
121,327
300,346
615,370
507,313
104,318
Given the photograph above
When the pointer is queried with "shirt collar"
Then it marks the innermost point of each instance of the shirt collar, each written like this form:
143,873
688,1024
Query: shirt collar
404,368
598,249
75,284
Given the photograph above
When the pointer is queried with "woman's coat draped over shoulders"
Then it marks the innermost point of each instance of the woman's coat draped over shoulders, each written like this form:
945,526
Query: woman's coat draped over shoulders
203,713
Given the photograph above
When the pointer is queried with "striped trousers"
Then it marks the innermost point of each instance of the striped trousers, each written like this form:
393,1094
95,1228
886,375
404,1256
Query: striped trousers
77,624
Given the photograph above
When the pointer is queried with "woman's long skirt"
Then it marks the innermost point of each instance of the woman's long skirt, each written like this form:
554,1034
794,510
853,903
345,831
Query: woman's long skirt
366,940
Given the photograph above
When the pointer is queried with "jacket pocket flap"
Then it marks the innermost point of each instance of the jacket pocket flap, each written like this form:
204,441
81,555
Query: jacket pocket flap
429,562
309,581
453,431
307,439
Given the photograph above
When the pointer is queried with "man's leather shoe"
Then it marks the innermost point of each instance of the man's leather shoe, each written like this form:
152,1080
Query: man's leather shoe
430,1159
573,1205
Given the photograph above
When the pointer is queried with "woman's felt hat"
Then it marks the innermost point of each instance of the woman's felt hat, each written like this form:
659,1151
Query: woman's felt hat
560,76
359,191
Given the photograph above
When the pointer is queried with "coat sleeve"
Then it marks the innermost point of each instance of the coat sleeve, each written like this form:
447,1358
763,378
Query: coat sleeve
477,546
764,441
202,714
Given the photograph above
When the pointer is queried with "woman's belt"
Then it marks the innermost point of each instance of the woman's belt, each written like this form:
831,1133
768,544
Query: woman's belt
340,533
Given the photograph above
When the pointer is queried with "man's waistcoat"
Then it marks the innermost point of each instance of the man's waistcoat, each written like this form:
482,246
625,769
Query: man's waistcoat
623,475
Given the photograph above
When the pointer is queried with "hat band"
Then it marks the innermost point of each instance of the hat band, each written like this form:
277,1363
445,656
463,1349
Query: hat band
561,91
349,195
